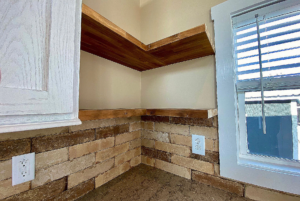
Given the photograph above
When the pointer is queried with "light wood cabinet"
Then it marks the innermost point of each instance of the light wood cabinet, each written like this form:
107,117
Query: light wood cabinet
39,63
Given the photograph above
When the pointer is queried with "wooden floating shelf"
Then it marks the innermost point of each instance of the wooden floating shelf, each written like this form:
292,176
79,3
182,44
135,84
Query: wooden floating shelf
203,114
85,115
101,37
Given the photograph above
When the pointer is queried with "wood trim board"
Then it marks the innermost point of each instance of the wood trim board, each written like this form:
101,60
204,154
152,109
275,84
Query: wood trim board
85,115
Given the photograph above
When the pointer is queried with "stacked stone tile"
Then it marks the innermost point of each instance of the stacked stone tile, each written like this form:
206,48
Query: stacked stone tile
71,161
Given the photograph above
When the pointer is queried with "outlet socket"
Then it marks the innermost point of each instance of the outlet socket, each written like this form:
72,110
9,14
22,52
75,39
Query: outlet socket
23,168
198,144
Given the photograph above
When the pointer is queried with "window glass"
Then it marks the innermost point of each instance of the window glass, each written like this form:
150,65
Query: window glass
281,117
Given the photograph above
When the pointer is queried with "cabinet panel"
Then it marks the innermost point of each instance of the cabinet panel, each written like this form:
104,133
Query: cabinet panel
25,44
39,62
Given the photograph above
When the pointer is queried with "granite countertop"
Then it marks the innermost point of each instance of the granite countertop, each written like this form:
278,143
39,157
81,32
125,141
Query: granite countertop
148,183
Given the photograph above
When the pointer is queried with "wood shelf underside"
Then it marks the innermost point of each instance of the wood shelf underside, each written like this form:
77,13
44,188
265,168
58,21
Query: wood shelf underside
85,115
101,37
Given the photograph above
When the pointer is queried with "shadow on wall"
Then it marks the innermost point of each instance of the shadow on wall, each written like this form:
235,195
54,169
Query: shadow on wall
189,84
107,85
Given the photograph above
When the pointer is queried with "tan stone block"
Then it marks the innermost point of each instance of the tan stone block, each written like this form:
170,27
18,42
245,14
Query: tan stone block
93,124
11,148
217,169
6,188
122,158
148,161
174,169
173,148
260,194
128,137
111,174
135,143
51,142
147,125
111,152
215,121
152,135
90,147
76,192
209,144
52,173
135,126
218,182
44,192
124,167
192,121
127,120
47,159
5,170
89,173
172,128
111,131
32,133
210,156
193,164
181,140
216,146
157,154
208,132
148,143
135,161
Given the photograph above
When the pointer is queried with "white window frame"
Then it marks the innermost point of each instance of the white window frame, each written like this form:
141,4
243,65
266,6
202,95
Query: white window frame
272,173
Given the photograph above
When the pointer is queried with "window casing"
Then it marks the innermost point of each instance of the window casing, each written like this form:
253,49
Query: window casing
235,86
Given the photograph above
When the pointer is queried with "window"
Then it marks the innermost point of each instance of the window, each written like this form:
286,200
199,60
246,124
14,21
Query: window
267,66
258,89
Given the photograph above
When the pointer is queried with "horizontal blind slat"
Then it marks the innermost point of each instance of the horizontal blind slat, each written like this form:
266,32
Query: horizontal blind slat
270,48
263,30
268,44
274,83
288,34
270,57
256,70
274,73
266,64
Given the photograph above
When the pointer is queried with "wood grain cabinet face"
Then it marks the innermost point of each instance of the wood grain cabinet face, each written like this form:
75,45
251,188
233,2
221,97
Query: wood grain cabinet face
39,63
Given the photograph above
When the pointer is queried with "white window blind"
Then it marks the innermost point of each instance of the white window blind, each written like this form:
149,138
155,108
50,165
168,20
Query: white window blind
280,49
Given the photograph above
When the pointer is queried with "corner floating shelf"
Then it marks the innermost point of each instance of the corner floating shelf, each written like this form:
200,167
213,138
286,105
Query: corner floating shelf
87,115
101,37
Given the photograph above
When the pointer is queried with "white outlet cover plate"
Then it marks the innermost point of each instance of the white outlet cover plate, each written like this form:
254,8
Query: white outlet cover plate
198,144
23,168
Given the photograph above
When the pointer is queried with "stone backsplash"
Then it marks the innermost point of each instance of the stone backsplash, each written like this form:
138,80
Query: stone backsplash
71,161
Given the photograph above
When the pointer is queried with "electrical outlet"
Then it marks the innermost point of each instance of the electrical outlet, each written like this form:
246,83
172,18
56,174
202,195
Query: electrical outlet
198,144
23,168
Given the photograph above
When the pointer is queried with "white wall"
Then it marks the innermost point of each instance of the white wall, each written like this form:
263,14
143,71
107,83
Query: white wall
124,13
184,85
189,84
108,85
103,83
163,18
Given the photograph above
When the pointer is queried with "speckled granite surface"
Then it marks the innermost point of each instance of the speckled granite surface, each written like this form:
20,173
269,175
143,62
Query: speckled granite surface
147,183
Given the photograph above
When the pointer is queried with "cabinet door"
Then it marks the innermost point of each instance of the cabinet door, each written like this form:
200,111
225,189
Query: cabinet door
39,63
